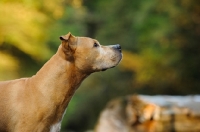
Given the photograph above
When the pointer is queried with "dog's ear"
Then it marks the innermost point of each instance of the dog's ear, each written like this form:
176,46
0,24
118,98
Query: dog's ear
65,37
69,43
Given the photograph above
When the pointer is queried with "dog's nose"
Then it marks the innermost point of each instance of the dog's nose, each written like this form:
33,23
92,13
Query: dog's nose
117,46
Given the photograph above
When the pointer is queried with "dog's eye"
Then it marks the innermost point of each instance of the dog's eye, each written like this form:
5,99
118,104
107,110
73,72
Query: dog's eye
96,45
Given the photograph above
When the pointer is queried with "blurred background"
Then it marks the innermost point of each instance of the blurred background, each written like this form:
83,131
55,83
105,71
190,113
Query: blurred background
160,41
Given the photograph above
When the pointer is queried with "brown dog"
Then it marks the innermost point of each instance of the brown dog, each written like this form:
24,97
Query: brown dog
38,103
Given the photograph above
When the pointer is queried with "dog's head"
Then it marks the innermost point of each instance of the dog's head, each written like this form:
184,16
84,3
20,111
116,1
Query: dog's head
88,55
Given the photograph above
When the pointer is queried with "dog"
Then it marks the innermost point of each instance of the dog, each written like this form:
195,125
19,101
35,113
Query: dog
38,103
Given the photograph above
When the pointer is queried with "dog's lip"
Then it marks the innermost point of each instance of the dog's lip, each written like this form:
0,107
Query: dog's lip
104,69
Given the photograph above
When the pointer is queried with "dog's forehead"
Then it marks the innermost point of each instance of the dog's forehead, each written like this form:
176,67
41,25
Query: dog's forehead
86,41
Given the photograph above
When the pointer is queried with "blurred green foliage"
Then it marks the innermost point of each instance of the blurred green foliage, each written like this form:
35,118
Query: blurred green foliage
160,41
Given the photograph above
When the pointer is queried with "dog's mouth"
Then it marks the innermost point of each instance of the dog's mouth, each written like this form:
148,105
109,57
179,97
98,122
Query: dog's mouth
104,69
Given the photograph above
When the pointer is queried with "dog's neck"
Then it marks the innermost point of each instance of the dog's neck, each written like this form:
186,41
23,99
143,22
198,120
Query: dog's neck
58,85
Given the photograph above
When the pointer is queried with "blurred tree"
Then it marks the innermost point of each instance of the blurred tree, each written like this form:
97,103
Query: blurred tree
23,34
168,40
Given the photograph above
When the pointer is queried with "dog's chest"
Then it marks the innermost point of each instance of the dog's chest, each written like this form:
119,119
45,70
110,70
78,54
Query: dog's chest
55,127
